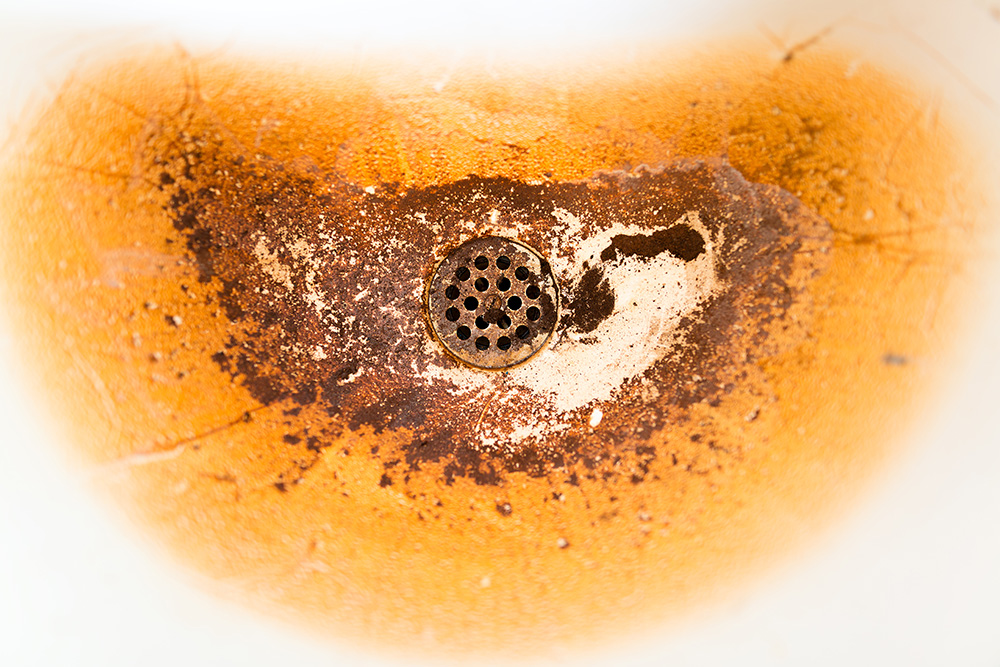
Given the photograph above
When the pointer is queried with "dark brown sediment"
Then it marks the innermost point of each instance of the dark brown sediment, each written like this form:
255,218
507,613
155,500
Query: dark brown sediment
328,319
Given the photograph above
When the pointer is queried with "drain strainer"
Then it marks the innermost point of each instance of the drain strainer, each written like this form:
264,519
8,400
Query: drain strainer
493,302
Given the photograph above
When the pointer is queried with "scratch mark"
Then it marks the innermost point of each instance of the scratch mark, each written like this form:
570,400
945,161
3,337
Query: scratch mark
141,459
789,52
172,450
110,409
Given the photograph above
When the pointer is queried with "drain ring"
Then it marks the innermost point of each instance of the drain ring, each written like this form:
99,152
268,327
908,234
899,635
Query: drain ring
492,302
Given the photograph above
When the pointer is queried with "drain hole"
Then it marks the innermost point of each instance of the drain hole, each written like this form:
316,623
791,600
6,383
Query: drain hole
492,303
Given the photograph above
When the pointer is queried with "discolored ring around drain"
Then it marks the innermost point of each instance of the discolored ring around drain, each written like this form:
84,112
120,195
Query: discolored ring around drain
492,302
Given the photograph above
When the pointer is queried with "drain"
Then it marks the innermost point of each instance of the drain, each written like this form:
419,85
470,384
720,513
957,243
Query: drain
492,302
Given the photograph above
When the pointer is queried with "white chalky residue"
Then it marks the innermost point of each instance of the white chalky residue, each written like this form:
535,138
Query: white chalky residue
353,376
462,379
652,296
312,294
571,226
302,250
521,432
269,263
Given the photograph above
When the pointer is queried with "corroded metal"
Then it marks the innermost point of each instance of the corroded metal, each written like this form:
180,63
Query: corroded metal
493,302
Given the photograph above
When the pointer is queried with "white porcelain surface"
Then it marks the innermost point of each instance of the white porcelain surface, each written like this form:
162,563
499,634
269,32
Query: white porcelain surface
910,577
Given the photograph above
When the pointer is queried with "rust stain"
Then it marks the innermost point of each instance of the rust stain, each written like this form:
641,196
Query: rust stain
238,254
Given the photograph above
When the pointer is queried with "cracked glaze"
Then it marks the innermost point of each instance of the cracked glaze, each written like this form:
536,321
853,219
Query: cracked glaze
218,269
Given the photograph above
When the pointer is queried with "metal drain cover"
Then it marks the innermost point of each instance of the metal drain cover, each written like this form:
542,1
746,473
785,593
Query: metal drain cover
492,302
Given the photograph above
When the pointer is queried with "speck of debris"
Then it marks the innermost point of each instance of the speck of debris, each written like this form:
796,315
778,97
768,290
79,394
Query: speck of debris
890,359
504,509
176,320
562,543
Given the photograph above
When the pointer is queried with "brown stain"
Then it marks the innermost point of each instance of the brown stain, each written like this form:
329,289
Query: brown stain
130,208
360,356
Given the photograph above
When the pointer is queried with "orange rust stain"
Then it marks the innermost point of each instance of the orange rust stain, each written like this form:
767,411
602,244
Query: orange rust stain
122,332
